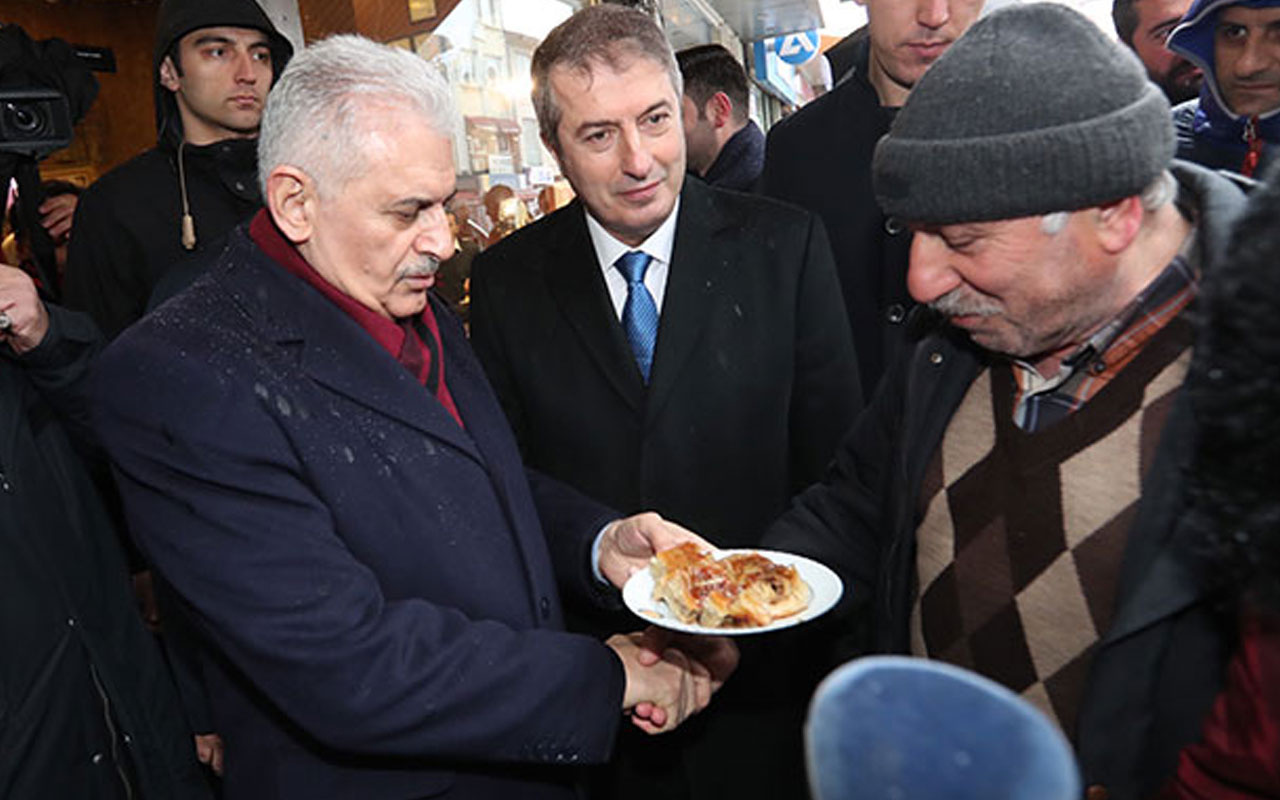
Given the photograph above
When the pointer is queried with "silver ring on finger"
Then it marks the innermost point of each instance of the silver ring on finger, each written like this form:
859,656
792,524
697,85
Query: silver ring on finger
5,322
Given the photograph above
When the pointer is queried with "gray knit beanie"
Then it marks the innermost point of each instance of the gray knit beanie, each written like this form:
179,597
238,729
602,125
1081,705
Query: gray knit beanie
1032,111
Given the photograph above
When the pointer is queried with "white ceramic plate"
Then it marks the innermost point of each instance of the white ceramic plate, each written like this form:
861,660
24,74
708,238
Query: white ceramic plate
824,585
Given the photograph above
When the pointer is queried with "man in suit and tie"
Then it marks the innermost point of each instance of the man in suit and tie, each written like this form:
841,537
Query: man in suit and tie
662,344
309,452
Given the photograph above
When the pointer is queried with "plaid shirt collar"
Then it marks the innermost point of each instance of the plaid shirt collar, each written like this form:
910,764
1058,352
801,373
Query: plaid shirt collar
1042,401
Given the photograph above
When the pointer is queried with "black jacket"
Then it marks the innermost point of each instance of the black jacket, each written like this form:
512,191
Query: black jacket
128,225
73,644
820,159
739,162
1158,667
752,385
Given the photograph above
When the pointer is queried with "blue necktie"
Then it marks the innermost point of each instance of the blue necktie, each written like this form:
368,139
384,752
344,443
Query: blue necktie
639,314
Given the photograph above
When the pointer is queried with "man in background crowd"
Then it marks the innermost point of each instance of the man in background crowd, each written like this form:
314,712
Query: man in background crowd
213,65
724,146
1007,503
1145,25
820,159
1235,122
453,280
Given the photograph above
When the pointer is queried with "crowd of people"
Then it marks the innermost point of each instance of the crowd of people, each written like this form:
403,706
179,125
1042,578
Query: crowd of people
989,329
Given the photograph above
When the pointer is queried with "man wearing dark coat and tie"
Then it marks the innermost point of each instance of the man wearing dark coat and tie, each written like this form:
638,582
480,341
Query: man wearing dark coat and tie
662,344
310,453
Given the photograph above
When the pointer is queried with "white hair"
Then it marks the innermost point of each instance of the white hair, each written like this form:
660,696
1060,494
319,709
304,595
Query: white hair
1159,192
313,118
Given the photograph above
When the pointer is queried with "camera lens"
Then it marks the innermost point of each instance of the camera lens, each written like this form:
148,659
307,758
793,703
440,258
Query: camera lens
22,118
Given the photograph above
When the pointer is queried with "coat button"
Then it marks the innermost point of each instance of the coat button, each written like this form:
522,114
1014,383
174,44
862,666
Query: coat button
935,358
544,605
892,226
97,758
895,313
1096,792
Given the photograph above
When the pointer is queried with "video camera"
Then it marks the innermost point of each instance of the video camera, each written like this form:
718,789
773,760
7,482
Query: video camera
34,122
44,90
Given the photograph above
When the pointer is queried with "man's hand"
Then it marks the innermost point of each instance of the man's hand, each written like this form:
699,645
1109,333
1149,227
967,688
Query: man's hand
56,214
209,751
20,306
717,656
661,695
627,544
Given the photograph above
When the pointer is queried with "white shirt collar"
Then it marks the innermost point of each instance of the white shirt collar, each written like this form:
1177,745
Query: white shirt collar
658,245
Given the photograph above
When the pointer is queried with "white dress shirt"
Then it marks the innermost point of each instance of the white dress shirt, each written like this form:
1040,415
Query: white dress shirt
658,247
608,250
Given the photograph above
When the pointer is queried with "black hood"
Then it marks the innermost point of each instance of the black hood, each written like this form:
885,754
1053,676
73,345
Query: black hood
177,18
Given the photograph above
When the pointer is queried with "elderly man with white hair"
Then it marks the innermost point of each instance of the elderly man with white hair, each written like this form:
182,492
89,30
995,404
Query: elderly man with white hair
309,452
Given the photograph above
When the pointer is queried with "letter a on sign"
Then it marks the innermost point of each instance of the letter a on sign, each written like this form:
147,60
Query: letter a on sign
797,48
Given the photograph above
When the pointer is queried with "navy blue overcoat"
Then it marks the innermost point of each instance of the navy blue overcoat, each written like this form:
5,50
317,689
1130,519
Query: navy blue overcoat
374,580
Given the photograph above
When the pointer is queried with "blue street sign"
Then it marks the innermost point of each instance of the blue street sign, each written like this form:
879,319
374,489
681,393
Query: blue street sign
797,48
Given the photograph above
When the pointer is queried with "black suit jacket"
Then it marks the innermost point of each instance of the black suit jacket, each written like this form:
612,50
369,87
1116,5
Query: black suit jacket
753,383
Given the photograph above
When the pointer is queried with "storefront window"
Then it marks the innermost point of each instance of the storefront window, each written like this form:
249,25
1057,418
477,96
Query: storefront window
484,49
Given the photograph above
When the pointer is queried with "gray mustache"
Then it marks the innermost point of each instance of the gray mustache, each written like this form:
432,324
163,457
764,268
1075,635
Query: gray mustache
425,268
958,303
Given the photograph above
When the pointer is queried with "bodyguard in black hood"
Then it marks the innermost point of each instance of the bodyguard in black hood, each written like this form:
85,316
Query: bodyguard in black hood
214,63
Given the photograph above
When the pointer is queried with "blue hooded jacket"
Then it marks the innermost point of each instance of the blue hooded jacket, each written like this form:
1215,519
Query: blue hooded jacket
1208,131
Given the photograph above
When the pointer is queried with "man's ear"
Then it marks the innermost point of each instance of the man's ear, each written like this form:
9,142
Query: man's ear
1118,223
169,77
719,109
291,202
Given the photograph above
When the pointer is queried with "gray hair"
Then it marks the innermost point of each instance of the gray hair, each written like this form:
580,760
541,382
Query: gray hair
313,118
608,35
1159,192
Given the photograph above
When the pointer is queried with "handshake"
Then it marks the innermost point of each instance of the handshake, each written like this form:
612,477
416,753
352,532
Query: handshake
669,676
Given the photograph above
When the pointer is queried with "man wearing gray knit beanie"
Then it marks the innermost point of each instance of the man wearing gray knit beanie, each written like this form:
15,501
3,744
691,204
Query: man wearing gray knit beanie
1009,500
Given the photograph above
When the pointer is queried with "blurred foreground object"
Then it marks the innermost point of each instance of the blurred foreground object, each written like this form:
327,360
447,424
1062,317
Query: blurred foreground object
895,727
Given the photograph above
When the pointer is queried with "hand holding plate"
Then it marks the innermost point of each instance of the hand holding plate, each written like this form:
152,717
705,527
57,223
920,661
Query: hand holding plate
627,544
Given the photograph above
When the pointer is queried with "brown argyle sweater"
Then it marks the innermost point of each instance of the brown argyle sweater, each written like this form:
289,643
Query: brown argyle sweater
1023,533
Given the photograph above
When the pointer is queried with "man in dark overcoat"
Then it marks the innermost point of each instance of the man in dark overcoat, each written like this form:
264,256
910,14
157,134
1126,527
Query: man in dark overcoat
310,454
